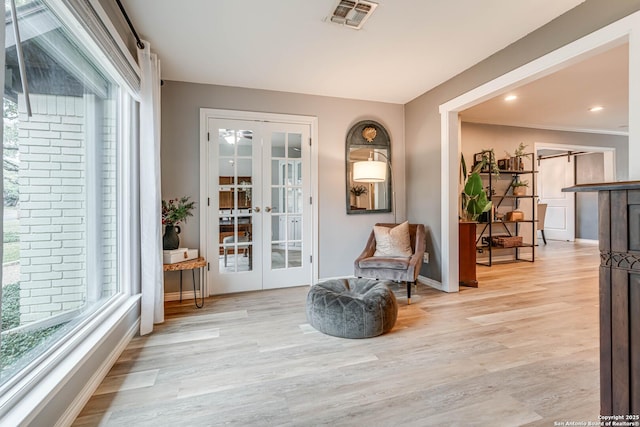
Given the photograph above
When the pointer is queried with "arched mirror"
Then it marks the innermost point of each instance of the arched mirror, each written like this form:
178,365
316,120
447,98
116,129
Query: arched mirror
368,166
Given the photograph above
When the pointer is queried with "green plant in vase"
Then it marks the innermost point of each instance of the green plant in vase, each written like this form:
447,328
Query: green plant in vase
519,154
174,212
519,187
474,197
357,191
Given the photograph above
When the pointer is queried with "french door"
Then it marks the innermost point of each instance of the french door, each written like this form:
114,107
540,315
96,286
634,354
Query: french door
259,215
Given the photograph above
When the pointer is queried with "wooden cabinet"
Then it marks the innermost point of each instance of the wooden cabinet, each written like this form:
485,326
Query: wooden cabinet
619,241
467,254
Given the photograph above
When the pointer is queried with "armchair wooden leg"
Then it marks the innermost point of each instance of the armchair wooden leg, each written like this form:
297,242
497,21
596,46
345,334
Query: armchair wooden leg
408,293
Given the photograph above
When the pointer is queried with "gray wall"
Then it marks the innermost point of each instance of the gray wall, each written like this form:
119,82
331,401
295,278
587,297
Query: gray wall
422,118
589,169
341,237
506,138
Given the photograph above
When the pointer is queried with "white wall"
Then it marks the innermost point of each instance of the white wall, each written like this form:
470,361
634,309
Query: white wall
341,237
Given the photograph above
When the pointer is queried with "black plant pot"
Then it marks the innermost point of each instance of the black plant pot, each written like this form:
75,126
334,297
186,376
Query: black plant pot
171,240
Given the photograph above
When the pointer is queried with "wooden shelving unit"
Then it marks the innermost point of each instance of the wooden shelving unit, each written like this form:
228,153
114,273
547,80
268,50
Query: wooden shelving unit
490,228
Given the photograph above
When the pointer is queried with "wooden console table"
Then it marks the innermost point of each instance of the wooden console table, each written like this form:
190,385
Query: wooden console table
619,244
191,264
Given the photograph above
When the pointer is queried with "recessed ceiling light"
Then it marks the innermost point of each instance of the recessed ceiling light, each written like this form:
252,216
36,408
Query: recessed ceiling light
510,98
596,108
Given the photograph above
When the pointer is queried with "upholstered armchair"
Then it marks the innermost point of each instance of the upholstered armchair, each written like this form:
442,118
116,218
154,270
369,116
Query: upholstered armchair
396,268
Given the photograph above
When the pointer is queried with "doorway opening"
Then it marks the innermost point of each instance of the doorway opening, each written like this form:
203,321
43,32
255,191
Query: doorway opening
601,40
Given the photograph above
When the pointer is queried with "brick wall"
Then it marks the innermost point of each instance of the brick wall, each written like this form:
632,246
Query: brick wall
53,206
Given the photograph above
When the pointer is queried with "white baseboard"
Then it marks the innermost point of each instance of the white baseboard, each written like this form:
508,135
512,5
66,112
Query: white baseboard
326,279
96,379
588,241
175,296
430,282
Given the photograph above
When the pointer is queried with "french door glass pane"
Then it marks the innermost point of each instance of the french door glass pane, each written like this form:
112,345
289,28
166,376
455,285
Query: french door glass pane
59,240
286,199
294,258
245,141
235,200
295,146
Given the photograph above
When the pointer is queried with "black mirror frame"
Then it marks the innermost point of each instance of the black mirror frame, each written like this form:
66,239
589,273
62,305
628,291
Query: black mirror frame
355,139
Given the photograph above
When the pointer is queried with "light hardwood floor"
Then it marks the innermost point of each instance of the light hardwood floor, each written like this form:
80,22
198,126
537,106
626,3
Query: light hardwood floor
522,349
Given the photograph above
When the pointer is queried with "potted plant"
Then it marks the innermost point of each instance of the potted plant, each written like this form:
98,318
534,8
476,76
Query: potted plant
174,212
357,191
474,203
474,197
519,153
520,187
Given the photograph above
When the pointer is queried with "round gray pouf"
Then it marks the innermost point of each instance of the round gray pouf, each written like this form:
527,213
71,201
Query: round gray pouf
352,308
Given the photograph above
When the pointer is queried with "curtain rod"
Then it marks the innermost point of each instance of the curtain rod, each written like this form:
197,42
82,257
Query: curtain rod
133,30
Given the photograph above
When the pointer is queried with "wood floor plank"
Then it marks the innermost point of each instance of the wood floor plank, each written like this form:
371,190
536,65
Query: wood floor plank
130,381
521,349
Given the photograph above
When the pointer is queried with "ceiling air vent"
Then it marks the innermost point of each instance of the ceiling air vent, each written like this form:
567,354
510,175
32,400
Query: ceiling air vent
353,13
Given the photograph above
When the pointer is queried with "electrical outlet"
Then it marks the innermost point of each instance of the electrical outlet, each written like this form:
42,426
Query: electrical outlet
425,258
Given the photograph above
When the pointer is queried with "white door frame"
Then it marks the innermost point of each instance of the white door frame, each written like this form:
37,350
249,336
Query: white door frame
624,30
205,115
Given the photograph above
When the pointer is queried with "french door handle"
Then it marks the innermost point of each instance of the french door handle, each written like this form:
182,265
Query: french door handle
257,209
267,209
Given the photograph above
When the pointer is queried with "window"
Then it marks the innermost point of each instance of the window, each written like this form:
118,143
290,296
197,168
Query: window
60,181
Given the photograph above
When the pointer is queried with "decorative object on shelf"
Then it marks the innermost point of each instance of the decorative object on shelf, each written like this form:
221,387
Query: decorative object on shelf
520,150
520,187
488,160
514,216
519,154
174,212
506,241
474,197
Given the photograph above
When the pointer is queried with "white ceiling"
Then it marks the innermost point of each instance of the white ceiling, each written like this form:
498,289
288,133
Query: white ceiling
562,100
406,47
